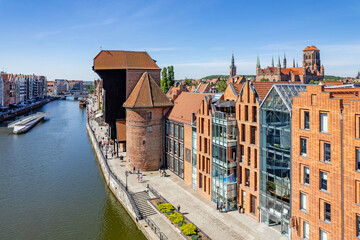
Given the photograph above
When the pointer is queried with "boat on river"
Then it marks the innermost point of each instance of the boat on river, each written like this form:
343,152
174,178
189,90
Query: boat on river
82,103
24,124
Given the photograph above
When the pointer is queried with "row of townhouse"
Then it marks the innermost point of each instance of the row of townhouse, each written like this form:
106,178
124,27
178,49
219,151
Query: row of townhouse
19,88
287,155
62,86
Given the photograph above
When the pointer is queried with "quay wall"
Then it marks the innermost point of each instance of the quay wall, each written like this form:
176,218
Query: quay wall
25,110
114,184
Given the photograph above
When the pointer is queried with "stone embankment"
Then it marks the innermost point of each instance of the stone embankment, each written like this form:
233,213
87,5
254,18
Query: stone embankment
24,110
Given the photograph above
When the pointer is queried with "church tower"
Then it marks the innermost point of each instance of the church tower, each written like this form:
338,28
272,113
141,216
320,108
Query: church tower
232,67
311,58
284,62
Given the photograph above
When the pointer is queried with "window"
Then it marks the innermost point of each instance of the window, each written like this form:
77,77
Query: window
171,129
254,114
242,153
357,225
327,152
306,175
149,129
327,209
247,177
182,132
306,120
176,131
200,180
246,113
253,134
243,132
171,145
323,122
323,235
249,156
181,151
358,159
303,143
303,201
253,204
175,147
323,181
150,115
306,230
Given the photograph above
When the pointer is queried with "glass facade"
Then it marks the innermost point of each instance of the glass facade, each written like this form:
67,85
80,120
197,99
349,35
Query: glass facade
174,147
224,159
275,155
194,156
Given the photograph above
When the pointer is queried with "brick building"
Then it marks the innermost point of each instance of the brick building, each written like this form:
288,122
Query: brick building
325,178
311,69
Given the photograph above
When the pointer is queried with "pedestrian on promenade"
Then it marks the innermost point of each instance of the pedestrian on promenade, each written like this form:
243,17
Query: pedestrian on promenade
141,176
159,172
221,206
138,171
178,207
134,170
138,178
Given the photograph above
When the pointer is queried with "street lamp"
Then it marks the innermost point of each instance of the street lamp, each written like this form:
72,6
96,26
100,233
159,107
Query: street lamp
126,175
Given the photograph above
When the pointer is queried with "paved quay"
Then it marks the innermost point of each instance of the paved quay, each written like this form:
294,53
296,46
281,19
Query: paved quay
201,211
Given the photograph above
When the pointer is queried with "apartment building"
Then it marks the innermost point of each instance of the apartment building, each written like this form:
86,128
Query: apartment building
178,134
325,177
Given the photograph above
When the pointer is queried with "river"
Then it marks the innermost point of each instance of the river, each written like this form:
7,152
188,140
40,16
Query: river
51,186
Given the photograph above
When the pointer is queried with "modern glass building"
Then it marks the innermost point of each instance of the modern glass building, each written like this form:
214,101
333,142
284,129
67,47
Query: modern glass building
224,157
275,155
194,154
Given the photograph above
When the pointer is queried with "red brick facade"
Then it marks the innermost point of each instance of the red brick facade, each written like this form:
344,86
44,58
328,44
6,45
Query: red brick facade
247,111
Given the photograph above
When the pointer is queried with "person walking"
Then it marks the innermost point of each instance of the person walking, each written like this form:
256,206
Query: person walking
138,178
134,170
159,172
178,207
138,171
141,176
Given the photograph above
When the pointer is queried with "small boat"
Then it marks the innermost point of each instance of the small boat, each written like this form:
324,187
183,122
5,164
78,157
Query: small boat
26,123
82,103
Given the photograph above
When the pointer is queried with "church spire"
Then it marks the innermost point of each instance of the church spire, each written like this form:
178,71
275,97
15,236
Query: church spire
272,61
258,62
284,62
279,65
293,62
232,66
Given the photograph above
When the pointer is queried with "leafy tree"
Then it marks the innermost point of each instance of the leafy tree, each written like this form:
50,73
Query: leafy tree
188,82
221,86
171,77
164,80
264,80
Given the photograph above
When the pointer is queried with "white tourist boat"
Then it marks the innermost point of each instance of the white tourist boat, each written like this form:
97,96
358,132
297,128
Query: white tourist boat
26,123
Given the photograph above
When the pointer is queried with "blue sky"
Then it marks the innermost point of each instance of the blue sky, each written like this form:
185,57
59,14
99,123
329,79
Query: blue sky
59,39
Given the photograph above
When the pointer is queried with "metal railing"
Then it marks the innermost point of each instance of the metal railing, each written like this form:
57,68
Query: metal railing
155,228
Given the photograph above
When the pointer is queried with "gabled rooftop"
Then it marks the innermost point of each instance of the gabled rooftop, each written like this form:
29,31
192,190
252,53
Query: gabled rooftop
106,60
147,94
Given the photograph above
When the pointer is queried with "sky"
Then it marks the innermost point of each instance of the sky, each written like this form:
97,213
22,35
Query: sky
59,39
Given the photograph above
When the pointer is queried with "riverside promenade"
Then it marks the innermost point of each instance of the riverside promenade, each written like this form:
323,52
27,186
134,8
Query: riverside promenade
201,211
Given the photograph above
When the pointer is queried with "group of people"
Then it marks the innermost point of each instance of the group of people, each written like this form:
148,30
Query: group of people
222,207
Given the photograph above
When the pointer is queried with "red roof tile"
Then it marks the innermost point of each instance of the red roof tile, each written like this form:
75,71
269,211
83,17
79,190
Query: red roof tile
310,48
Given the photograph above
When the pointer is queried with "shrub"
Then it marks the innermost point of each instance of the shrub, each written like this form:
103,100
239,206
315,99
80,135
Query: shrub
195,237
158,203
188,229
165,207
176,217
181,223
169,213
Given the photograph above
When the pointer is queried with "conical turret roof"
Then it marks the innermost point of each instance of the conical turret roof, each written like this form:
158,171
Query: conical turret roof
147,94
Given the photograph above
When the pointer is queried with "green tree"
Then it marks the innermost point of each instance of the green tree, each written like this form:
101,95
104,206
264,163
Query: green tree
164,80
188,82
221,86
264,80
171,77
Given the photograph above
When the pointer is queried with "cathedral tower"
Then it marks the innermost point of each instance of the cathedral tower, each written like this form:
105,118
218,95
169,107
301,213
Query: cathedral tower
311,58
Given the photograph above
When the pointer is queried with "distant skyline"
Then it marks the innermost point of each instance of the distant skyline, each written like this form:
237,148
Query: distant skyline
59,39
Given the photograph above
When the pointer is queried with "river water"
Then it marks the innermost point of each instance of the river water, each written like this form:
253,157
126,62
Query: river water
51,186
